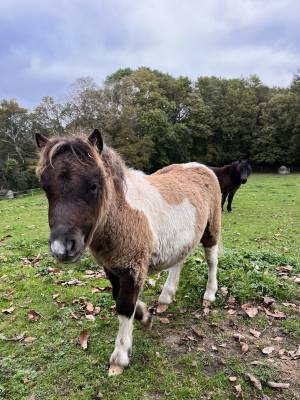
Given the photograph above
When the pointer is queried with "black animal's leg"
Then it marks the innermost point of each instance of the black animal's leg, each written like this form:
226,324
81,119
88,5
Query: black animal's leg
224,195
126,305
141,312
115,282
230,198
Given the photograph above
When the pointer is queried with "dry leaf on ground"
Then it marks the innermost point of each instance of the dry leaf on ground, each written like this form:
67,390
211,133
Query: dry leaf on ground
8,310
256,382
33,316
198,331
164,320
244,347
249,310
268,301
89,308
255,333
278,385
275,314
267,350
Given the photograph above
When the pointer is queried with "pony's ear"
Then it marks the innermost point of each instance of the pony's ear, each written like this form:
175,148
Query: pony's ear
96,139
41,140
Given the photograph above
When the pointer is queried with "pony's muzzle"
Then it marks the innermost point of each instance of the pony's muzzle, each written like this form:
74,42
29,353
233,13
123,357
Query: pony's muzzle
66,247
243,180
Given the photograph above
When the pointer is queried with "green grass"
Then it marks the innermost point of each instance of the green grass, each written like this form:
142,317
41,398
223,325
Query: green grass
261,234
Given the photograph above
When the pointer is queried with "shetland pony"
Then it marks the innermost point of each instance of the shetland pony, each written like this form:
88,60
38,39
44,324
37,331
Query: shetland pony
133,223
230,178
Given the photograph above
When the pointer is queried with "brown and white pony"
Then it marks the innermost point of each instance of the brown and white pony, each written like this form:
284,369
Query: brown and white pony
133,223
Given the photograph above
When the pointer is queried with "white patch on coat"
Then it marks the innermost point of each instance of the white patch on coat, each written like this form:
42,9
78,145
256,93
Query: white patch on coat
211,255
57,247
168,293
172,225
193,164
123,344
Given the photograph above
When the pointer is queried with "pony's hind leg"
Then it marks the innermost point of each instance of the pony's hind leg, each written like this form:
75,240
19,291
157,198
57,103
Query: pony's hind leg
168,293
211,255
142,314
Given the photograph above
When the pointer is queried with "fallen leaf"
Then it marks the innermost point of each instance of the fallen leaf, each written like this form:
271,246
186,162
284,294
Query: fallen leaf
89,308
289,305
275,314
72,282
17,338
55,296
8,310
232,378
161,308
83,338
267,350
214,348
231,300
255,333
54,270
277,339
164,320
97,310
284,269
90,317
231,311
224,290
73,315
244,347
249,310
26,380
297,279
238,336
256,382
31,261
206,311
29,339
33,316
238,389
278,385
268,301
197,331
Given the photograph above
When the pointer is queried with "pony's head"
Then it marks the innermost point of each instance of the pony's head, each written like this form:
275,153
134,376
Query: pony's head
73,176
242,170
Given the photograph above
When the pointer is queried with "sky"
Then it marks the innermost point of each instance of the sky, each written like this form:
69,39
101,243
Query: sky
46,45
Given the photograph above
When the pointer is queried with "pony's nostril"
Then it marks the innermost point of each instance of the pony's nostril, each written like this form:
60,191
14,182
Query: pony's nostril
70,245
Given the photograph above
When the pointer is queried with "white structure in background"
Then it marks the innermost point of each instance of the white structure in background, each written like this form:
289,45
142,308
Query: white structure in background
284,170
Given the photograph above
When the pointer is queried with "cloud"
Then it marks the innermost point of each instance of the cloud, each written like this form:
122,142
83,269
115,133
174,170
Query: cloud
45,46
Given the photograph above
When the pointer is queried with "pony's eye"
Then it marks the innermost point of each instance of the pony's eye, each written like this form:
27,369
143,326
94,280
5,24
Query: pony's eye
93,188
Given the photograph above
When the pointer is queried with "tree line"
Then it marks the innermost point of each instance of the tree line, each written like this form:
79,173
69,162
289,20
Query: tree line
154,119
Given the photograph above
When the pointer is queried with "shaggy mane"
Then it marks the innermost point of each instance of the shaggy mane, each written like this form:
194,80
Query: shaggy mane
83,152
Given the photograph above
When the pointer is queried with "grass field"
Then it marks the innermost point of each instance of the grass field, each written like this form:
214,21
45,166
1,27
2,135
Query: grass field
187,354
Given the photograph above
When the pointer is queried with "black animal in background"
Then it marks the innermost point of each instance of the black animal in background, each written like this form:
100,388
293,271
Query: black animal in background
231,177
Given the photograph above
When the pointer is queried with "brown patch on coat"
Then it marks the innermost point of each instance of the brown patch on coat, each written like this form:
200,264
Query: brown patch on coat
200,186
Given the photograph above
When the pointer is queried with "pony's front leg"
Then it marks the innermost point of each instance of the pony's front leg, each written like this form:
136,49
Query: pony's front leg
126,303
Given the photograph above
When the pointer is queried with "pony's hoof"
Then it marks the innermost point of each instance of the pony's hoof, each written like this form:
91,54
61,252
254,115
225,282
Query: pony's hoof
161,308
147,324
115,370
